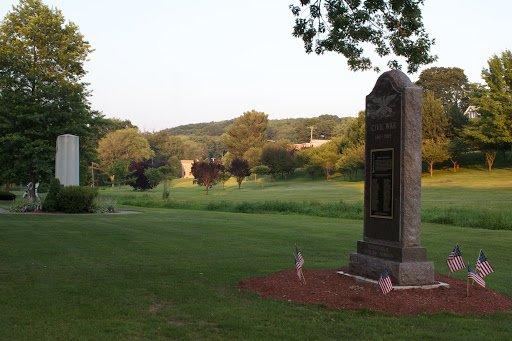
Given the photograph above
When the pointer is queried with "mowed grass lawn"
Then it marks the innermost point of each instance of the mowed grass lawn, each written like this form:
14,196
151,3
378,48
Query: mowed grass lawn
467,189
173,273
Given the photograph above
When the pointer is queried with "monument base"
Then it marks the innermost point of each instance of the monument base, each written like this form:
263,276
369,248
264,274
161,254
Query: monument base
361,279
402,273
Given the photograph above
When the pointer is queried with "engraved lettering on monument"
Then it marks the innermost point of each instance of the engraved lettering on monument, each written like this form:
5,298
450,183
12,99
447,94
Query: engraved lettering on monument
392,225
381,184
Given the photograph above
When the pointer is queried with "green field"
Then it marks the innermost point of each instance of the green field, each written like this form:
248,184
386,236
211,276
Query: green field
171,273
464,189
469,198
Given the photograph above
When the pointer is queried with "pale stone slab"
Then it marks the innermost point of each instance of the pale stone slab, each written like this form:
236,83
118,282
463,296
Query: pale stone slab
396,287
67,160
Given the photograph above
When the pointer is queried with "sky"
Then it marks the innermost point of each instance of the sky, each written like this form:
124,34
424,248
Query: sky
163,63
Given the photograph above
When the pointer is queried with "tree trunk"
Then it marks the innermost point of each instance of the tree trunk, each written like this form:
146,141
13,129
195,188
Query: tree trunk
490,157
431,168
455,165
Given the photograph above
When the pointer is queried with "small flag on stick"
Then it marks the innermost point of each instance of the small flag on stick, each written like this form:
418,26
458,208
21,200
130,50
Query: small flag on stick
299,263
455,261
385,282
475,277
483,267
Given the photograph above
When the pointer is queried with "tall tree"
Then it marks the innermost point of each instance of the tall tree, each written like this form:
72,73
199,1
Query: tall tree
126,146
326,156
352,161
42,94
392,27
492,130
279,158
435,123
247,131
323,128
449,84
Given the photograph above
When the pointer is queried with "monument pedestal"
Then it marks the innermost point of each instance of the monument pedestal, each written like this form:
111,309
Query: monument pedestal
408,265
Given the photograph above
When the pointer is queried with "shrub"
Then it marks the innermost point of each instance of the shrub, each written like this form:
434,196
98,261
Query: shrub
7,196
50,203
166,192
148,174
76,199
25,206
104,205
154,176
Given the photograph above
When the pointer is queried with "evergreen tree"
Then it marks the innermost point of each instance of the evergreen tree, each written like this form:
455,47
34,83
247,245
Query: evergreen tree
434,120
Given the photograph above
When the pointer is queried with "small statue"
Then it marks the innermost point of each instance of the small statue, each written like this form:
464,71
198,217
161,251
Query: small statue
35,190
29,188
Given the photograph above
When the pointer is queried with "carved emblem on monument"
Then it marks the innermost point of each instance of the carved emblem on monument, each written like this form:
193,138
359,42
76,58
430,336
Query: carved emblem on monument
381,106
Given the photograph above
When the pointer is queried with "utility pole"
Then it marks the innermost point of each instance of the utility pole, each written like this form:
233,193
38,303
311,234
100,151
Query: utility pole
311,137
94,166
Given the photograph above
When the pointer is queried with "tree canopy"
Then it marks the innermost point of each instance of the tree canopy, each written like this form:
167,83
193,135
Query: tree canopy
247,131
492,130
435,122
239,168
125,145
449,84
392,27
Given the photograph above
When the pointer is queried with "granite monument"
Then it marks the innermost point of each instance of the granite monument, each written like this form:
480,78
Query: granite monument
392,194
67,159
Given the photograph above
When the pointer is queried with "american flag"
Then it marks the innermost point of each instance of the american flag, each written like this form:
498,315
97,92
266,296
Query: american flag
299,262
385,282
455,261
476,277
483,267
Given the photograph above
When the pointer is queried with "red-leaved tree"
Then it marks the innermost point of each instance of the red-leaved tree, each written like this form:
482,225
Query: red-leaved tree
206,173
239,168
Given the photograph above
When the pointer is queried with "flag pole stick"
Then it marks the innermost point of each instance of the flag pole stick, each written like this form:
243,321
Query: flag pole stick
467,288
303,277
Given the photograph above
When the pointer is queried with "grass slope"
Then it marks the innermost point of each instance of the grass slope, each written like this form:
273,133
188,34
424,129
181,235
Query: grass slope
172,273
471,198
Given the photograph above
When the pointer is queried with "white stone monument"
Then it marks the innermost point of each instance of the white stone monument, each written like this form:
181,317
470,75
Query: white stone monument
67,160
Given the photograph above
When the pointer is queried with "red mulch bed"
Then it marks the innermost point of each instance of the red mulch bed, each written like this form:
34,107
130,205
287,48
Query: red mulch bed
326,287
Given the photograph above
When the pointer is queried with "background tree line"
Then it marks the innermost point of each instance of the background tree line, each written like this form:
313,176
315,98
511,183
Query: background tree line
43,95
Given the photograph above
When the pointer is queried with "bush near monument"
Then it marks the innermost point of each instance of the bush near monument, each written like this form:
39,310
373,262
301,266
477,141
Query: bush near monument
7,196
51,203
76,199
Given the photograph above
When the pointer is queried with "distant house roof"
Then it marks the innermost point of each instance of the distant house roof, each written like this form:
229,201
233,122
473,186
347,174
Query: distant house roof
318,143
471,112
312,144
